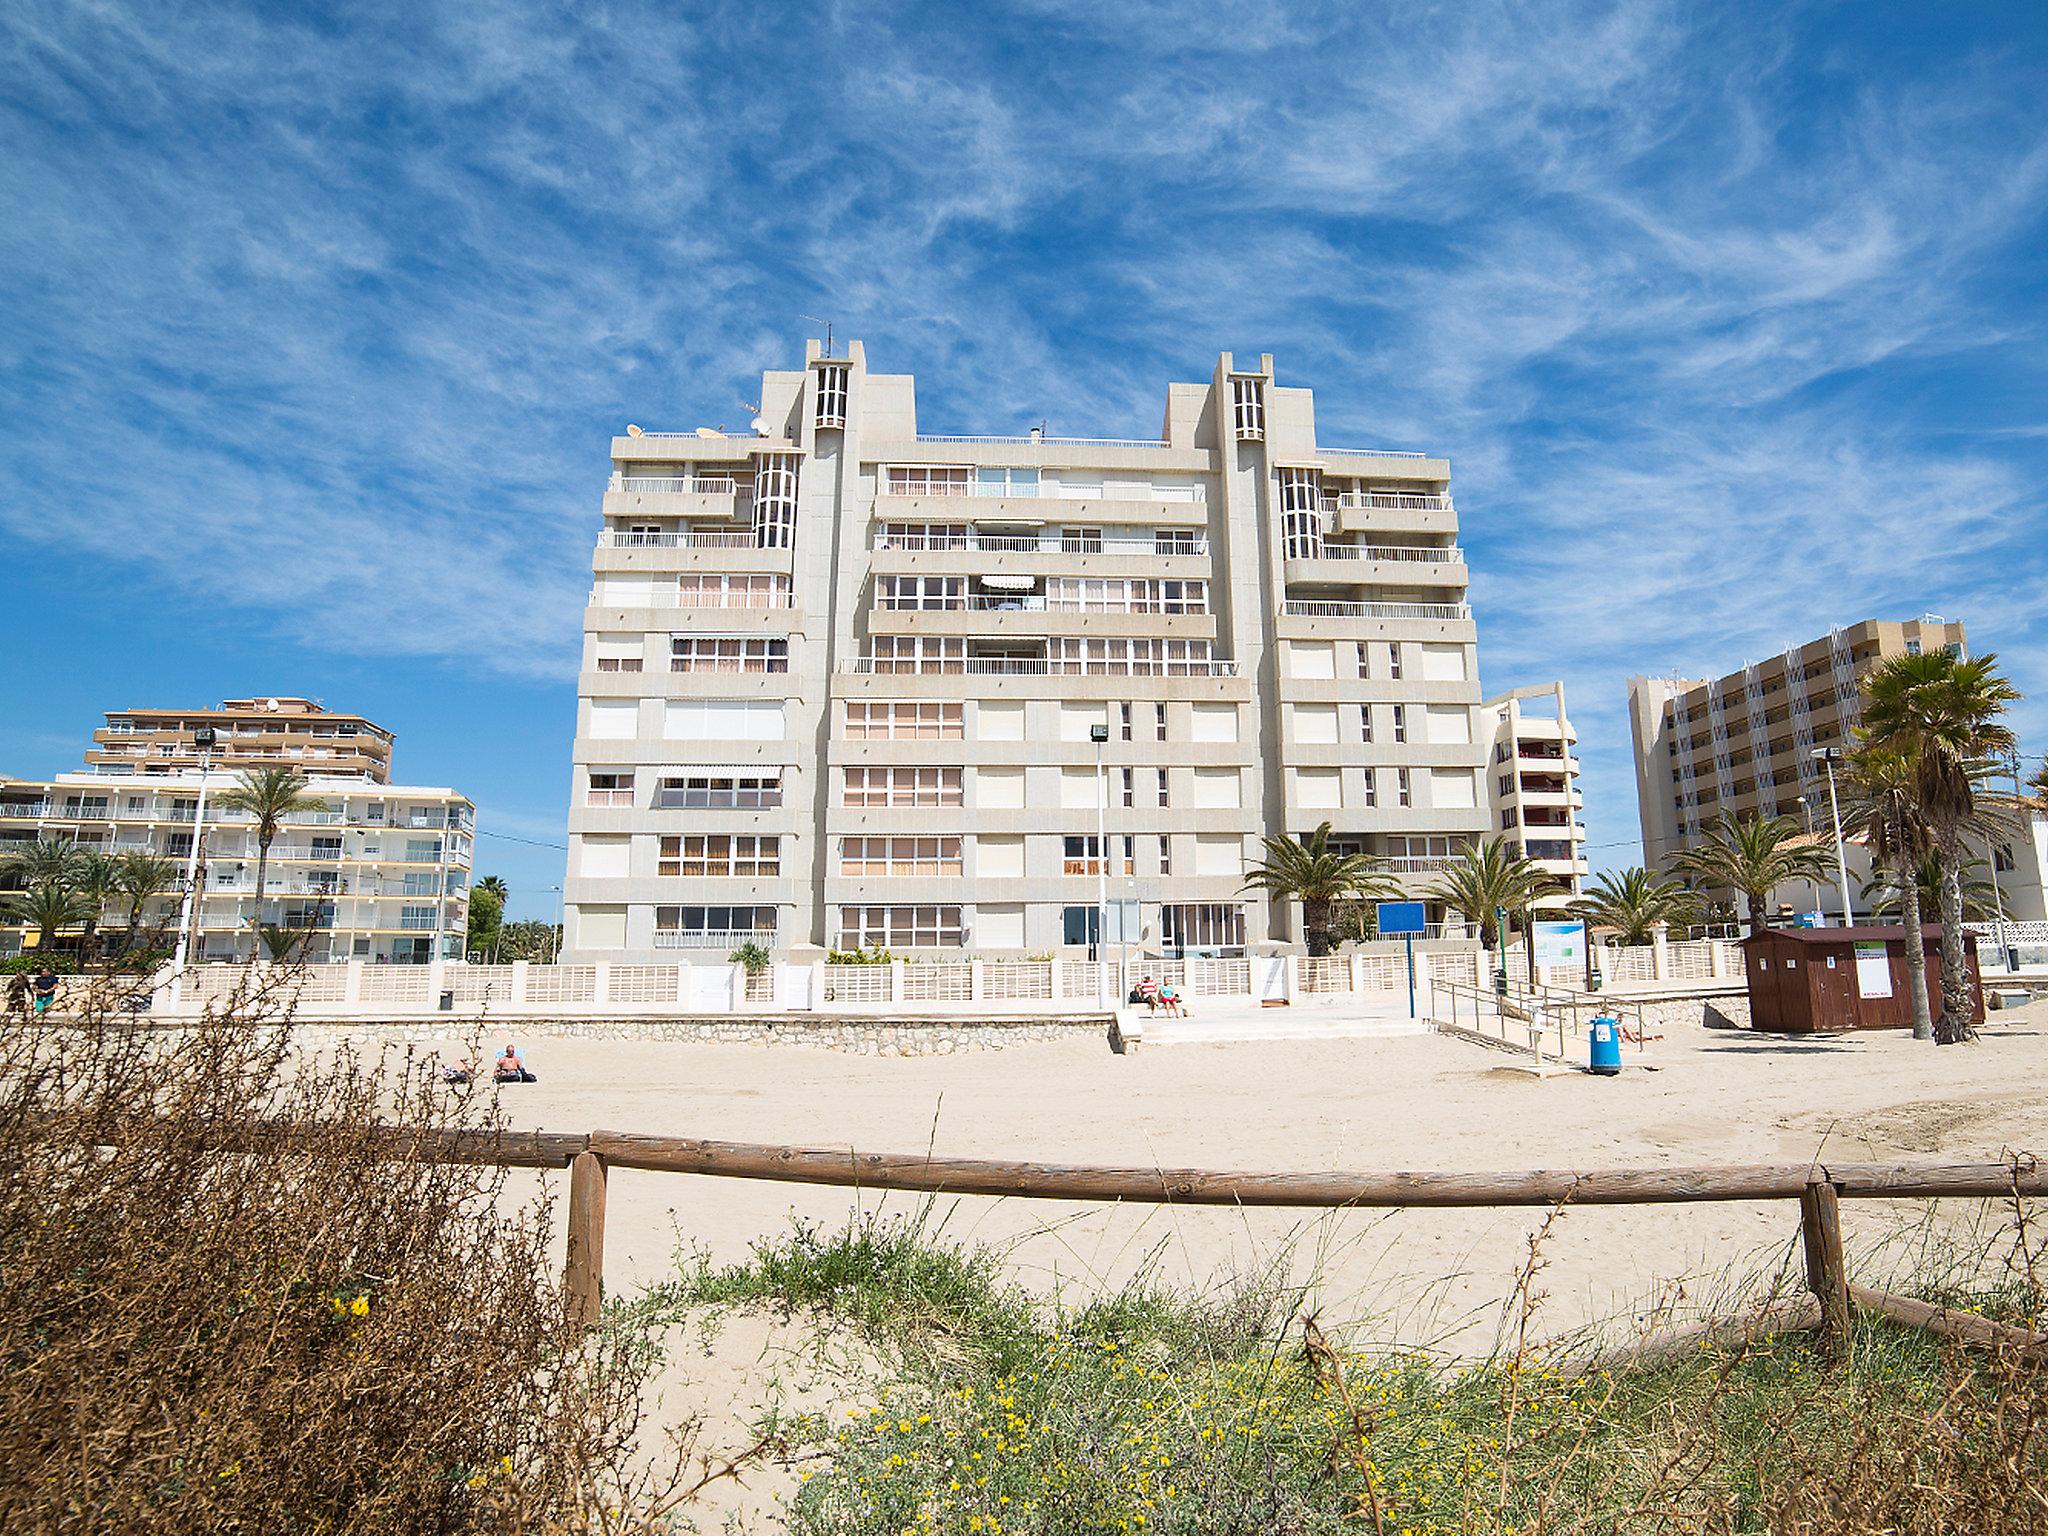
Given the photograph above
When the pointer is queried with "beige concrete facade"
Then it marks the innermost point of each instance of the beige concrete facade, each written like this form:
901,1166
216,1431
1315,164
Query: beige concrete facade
1745,742
248,733
839,677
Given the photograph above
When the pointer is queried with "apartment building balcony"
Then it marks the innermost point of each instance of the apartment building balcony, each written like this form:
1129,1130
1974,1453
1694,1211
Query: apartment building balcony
1019,557
24,810
1031,614
1012,509
1319,618
1381,564
1389,512
685,496
621,551
722,940
1031,666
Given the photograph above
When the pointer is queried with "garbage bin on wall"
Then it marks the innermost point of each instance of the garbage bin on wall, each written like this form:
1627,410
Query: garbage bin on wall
448,1002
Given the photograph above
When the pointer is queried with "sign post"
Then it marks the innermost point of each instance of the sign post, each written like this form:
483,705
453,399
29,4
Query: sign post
1403,920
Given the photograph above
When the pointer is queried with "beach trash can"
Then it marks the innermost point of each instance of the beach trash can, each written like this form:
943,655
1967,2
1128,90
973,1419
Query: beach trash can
448,1001
1604,1038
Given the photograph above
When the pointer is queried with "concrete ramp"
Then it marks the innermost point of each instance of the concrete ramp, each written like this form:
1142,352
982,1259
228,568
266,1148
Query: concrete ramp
1347,1016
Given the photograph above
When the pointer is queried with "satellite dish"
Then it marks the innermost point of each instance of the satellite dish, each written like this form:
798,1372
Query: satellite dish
631,430
272,705
760,426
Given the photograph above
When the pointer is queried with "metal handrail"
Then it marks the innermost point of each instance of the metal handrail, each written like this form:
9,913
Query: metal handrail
1298,608
1413,553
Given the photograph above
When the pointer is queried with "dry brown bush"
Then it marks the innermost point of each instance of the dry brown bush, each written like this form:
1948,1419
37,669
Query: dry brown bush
318,1337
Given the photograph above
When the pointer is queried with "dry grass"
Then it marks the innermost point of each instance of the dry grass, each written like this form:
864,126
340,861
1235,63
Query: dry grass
323,1337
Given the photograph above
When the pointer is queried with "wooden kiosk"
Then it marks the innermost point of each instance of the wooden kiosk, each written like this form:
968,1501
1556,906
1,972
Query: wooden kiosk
1805,981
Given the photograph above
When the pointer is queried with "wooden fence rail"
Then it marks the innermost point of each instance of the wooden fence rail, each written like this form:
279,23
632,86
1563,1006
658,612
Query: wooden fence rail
1817,1187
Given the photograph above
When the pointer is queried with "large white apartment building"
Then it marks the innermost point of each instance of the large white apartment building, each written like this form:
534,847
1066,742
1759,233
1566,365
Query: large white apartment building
1533,783
840,677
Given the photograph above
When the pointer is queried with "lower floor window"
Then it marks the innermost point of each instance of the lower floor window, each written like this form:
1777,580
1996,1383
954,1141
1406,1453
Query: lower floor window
720,855
902,927
1202,926
748,922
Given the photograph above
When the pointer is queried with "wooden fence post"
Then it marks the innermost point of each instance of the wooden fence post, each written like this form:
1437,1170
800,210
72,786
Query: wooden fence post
583,1275
1827,1272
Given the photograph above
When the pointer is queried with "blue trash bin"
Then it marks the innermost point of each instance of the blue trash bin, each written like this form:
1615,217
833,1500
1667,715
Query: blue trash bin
1604,1038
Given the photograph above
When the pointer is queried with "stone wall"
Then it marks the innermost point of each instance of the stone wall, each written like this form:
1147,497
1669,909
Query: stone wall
868,1035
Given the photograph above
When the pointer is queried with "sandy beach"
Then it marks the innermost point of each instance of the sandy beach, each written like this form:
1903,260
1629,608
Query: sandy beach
1414,1277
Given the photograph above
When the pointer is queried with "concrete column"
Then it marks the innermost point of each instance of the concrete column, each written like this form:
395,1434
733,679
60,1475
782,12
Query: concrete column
974,981
1660,953
1357,959
437,978
1290,977
896,981
683,983
1717,958
817,985
739,987
352,984
1054,993
601,989
518,983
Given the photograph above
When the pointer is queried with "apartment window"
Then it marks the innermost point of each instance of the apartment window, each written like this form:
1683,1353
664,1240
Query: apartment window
923,536
1365,723
904,927
1248,407
714,925
733,653
1079,594
120,727
1126,658
1372,787
1081,541
1400,722
1912,647
902,720
720,855
902,786
1175,541
1084,856
930,480
715,792
1507,819
928,593
1159,722
1165,854
1123,714
932,857
714,589
609,789
832,380
326,848
1202,926
1301,515
1081,925
918,653
619,656
1404,790
1130,787
177,844
1162,785
1394,659
1507,784
775,485
1364,659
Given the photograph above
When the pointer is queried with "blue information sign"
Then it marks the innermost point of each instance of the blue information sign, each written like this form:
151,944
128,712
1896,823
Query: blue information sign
1400,917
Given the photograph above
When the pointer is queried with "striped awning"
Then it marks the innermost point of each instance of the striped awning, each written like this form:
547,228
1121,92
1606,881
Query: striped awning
1008,583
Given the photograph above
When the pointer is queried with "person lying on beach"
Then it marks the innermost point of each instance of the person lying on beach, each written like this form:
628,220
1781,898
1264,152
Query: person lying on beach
457,1072
510,1069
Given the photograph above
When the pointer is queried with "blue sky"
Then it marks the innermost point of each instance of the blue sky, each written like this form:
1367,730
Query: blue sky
314,323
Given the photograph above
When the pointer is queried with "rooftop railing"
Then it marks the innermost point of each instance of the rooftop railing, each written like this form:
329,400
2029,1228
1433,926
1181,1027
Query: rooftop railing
1388,501
1039,437
1379,453
1298,608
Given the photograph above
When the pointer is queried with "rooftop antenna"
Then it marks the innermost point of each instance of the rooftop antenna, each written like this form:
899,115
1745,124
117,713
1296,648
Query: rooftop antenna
828,331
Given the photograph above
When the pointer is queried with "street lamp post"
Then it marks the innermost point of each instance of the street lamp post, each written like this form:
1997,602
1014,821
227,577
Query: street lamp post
1099,734
203,738
1829,756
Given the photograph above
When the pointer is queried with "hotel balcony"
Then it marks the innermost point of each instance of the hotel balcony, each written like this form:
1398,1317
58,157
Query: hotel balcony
1381,564
689,496
1389,511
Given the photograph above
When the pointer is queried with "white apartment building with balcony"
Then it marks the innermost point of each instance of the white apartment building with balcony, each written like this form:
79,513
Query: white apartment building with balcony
380,875
840,677
1533,783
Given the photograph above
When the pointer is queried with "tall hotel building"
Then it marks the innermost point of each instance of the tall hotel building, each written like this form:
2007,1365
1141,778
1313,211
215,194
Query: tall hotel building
1745,742
840,678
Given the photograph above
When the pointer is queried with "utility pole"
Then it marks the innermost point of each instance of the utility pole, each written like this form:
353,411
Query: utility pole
1099,734
203,738
1830,756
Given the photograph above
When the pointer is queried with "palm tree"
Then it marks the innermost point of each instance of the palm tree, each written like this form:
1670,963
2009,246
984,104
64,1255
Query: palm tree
143,877
2039,783
1307,870
96,883
1489,879
269,795
49,908
46,861
1884,811
496,886
1943,713
1753,855
1887,892
1632,902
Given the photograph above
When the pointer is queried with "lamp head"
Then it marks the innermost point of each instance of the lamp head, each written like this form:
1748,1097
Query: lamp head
1098,734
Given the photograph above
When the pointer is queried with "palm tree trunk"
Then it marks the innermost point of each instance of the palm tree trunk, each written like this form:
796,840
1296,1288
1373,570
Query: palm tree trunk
262,870
1756,900
1916,952
1958,1000
1315,927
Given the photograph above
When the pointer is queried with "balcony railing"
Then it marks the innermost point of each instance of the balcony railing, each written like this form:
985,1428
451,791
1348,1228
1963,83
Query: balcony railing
1377,453
1408,552
684,485
620,538
1387,501
25,809
1298,608
1039,437
711,938
1035,602
1033,544
671,597
1034,666
1416,864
